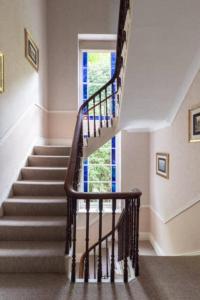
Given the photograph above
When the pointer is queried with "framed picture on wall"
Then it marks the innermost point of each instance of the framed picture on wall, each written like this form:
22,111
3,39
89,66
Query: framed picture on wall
1,72
162,164
31,51
194,124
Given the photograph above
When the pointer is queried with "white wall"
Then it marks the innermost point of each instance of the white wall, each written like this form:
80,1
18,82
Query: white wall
67,19
21,121
175,202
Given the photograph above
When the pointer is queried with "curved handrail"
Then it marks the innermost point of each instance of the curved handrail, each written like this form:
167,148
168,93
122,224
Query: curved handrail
72,178
81,266
69,180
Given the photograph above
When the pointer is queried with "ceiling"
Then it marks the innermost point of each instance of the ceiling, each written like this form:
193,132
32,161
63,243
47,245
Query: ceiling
163,59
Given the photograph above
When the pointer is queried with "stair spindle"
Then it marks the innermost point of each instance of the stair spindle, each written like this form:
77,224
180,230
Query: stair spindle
126,240
94,262
100,109
87,240
94,116
137,237
112,278
100,237
88,120
107,270
106,104
73,273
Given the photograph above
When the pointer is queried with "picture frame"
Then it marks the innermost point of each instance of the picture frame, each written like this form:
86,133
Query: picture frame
194,124
162,164
31,50
1,72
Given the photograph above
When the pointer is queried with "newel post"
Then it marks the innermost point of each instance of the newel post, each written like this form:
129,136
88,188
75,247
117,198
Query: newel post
137,208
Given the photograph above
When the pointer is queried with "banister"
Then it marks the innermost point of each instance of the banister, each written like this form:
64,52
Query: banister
132,199
81,267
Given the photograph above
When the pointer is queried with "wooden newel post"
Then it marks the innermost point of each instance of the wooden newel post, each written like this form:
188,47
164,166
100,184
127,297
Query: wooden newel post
137,207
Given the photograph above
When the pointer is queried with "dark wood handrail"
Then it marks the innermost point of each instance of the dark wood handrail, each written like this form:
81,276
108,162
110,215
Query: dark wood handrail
129,219
69,180
107,235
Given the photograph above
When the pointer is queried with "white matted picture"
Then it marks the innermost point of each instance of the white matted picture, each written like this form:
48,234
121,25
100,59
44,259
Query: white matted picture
194,124
31,50
162,164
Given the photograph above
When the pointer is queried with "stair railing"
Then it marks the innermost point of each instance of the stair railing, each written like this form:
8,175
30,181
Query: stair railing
127,244
106,104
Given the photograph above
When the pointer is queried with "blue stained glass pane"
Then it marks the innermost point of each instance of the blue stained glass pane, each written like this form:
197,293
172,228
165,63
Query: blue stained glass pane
113,156
85,187
113,143
113,60
85,59
85,173
85,91
85,162
85,75
113,187
113,173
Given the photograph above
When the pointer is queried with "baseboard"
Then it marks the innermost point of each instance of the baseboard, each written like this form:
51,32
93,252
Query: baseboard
144,236
193,253
159,251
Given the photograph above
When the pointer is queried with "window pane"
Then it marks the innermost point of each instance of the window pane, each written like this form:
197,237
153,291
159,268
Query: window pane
102,187
101,156
100,173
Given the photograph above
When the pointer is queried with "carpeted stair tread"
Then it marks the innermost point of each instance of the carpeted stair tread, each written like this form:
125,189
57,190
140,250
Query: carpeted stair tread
35,206
29,248
32,257
52,150
43,173
48,161
29,228
38,200
39,188
32,221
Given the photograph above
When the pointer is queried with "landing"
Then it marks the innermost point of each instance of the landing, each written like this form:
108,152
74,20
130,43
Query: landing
162,278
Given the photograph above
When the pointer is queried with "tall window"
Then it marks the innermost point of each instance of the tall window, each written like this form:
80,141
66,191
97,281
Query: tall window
99,170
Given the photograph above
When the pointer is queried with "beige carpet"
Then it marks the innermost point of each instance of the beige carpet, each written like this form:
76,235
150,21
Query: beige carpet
175,278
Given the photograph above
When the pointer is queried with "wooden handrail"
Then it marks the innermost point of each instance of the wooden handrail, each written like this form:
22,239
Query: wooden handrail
81,266
72,176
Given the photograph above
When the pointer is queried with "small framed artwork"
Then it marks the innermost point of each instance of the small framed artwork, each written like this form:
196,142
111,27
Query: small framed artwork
194,124
162,164
1,72
31,51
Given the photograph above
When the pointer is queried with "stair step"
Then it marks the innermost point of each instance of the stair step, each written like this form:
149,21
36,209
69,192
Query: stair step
45,173
52,150
48,161
32,257
39,188
29,206
32,228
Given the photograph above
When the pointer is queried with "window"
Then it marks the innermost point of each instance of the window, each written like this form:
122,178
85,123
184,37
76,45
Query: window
99,170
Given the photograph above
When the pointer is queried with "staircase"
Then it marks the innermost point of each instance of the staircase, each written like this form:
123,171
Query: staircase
33,228
97,121
38,231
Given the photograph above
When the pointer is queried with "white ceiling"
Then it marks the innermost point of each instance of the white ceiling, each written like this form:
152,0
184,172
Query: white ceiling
163,59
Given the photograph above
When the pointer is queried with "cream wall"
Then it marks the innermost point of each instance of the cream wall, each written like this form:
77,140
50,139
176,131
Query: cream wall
67,19
21,120
175,223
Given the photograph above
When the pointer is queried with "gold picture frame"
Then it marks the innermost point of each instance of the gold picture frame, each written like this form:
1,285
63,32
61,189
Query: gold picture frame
194,124
1,72
31,50
162,164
